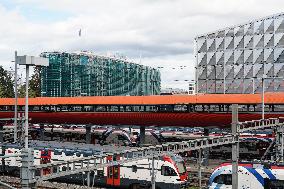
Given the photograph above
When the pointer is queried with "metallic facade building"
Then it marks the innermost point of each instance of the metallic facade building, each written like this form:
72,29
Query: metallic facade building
235,59
86,74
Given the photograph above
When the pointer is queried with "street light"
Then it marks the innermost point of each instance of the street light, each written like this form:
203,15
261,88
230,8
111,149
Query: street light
262,80
28,61
253,84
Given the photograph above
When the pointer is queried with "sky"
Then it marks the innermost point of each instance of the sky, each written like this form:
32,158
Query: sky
161,32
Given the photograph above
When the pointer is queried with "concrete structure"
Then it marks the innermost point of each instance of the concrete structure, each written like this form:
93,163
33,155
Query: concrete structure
235,59
87,74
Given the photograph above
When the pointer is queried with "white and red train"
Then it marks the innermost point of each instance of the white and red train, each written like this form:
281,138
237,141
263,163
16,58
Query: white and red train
170,170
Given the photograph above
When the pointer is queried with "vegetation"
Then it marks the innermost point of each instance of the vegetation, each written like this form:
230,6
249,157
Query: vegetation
34,90
7,84
34,85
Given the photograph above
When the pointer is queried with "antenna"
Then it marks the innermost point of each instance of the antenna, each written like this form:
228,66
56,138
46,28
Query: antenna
80,32
140,58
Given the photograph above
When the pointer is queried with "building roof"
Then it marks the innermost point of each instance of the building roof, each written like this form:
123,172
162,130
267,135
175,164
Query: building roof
270,98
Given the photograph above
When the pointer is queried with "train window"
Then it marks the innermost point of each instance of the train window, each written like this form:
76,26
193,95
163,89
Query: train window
57,152
223,179
273,184
110,172
168,171
134,168
64,168
100,174
115,172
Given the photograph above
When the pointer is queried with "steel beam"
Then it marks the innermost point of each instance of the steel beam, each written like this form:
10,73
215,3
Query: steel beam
88,134
235,146
142,135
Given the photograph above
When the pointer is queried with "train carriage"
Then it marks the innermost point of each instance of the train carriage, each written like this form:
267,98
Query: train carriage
250,176
170,171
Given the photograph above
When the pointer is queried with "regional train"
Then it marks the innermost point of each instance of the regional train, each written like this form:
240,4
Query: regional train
250,176
170,170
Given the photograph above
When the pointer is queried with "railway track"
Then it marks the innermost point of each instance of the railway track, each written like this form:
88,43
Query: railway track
15,182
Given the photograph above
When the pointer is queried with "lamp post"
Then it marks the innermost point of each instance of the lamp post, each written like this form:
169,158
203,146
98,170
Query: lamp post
263,90
27,154
16,101
29,61
253,84
224,77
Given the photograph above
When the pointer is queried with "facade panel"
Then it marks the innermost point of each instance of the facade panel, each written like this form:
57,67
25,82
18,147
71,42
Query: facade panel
235,59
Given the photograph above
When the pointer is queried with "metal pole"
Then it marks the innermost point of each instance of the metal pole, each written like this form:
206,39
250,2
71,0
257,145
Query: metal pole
88,178
215,78
26,171
142,135
16,101
199,167
88,134
153,173
253,86
224,72
262,98
282,147
235,147
196,66
27,109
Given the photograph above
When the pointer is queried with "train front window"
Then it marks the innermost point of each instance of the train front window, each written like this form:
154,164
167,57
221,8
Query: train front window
168,171
223,179
273,184
181,167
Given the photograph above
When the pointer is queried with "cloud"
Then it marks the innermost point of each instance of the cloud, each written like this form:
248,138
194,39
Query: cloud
162,30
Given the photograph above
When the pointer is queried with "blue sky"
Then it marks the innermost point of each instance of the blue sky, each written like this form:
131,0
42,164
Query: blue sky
35,13
162,31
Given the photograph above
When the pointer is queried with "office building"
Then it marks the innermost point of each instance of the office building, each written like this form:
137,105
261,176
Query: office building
87,74
236,59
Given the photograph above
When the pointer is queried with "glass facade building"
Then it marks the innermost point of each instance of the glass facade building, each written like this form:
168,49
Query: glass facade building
86,74
235,59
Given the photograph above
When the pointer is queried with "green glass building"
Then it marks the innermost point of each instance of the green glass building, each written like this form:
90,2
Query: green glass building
87,74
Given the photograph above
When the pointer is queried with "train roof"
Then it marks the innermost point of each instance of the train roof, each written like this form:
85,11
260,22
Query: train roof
257,164
54,145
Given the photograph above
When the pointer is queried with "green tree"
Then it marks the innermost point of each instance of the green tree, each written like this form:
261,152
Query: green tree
34,85
6,84
22,91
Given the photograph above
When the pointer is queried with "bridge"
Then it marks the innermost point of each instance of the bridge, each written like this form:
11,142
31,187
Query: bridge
203,110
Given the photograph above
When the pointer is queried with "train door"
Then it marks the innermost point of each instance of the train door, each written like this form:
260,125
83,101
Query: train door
113,172
45,157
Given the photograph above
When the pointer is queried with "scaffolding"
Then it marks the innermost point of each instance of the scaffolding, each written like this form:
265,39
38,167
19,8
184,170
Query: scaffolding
87,74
